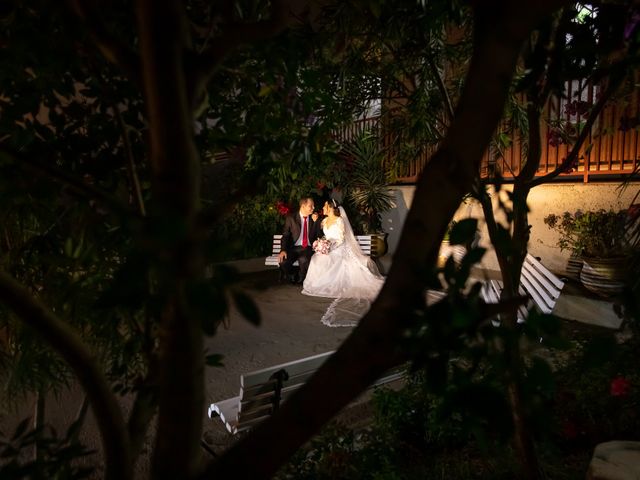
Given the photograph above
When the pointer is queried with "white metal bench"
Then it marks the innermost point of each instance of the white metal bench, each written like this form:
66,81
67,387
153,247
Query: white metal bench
262,391
537,283
364,241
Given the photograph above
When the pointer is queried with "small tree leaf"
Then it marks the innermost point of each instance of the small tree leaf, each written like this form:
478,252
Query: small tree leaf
463,231
247,307
214,360
21,428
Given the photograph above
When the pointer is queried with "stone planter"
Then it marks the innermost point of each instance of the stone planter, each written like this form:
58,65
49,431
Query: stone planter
604,276
379,245
574,267
447,250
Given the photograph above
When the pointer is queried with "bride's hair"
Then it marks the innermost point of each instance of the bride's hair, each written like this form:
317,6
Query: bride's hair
334,206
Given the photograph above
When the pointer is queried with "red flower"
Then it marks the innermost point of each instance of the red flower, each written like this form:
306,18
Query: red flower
554,137
283,208
634,211
569,430
620,387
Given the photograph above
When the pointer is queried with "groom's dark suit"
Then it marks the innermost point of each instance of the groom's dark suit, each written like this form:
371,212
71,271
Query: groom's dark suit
291,233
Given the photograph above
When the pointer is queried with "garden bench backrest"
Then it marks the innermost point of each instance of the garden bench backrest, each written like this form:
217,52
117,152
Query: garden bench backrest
364,241
262,391
536,282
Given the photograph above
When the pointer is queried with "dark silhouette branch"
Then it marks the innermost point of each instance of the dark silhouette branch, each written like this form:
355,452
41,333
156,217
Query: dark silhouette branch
136,191
235,34
68,344
85,189
442,88
145,407
284,14
111,47
570,161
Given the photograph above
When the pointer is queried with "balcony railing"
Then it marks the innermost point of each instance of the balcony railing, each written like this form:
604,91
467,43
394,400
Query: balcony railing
612,148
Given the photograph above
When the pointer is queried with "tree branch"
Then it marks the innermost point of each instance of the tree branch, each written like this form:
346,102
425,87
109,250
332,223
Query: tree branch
236,34
83,188
66,342
136,191
569,162
145,406
284,14
443,89
111,48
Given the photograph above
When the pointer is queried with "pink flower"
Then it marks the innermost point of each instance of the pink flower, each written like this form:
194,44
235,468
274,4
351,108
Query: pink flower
620,387
322,246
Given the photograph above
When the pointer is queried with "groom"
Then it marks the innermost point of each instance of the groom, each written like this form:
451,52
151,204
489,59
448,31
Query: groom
301,229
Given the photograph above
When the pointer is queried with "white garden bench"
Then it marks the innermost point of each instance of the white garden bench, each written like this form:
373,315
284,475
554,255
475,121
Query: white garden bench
537,283
262,391
364,241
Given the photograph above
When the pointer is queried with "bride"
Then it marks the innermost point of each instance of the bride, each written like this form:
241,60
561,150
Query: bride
344,273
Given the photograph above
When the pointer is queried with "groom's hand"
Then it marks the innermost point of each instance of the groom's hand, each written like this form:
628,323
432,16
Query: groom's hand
282,256
314,217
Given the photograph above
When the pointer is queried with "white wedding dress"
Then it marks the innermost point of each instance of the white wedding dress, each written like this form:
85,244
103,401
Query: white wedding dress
345,274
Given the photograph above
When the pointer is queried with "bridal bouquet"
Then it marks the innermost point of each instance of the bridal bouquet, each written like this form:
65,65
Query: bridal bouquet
322,245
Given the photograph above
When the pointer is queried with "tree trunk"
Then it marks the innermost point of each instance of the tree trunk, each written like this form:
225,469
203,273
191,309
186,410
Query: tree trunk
174,208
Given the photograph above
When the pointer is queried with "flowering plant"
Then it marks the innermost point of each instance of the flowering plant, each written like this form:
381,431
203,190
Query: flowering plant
283,208
322,245
620,387
598,233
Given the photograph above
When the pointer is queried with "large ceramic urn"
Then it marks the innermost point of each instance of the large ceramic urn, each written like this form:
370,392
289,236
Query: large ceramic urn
604,276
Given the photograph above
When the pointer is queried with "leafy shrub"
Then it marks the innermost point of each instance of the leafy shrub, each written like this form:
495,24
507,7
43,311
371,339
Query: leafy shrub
598,233
247,231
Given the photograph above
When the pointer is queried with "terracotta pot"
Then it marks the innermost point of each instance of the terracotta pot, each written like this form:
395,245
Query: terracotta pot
604,276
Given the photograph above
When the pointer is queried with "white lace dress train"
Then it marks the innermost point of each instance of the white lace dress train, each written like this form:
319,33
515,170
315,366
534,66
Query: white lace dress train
349,276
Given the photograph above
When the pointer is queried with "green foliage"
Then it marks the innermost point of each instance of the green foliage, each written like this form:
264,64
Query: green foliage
599,233
247,231
598,399
368,186
417,433
57,456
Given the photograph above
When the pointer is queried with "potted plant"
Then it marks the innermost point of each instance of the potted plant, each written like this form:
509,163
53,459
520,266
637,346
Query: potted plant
600,239
565,226
368,187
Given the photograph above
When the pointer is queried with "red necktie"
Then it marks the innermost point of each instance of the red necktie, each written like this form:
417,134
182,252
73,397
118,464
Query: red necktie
305,236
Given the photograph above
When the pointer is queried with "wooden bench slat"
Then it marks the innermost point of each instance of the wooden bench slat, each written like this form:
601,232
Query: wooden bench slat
294,379
559,284
545,280
536,282
364,241
256,400
293,368
543,301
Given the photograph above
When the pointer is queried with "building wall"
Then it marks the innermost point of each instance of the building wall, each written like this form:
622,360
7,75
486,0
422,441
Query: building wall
543,200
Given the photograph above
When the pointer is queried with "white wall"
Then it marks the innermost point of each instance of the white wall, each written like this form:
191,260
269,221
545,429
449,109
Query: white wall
543,200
